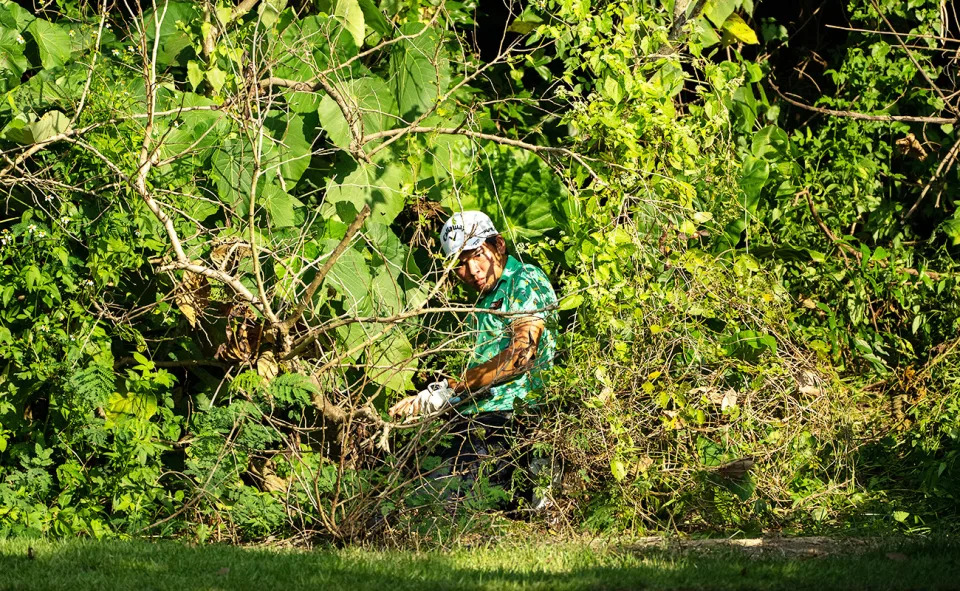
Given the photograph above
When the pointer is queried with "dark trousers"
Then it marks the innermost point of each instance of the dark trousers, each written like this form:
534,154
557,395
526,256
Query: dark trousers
478,459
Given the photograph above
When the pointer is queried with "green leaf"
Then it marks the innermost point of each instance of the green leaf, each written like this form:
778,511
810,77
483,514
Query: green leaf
951,228
217,78
294,150
351,15
269,11
743,488
281,206
374,18
719,10
51,43
738,29
194,74
753,177
231,168
12,61
350,277
710,453
618,468
379,185
13,16
175,44
571,301
393,364
374,101
51,124
519,191
419,70
126,406
705,33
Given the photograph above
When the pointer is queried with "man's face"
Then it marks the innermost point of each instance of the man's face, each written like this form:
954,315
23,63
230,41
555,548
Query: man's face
479,268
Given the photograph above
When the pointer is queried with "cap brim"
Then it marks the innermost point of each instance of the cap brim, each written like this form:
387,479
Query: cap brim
471,244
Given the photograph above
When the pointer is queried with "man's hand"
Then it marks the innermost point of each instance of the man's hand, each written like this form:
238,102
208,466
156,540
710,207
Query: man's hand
428,401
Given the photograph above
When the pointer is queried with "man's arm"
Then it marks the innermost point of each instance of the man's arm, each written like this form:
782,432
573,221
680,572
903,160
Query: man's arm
517,359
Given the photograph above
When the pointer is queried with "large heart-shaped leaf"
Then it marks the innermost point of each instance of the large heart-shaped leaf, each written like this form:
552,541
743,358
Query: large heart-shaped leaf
50,42
370,97
350,277
754,176
12,61
517,190
27,132
382,186
351,16
419,70
391,362
175,44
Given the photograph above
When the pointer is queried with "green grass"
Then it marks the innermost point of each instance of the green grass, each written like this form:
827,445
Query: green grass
78,565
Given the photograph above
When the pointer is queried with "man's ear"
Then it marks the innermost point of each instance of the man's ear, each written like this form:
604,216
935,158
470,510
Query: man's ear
501,245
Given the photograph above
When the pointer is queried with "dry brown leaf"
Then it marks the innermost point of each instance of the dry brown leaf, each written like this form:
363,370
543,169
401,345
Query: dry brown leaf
909,146
736,469
243,335
267,366
809,383
192,296
226,255
729,399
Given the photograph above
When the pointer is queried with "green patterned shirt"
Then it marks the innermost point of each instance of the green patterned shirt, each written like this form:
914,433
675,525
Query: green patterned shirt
521,288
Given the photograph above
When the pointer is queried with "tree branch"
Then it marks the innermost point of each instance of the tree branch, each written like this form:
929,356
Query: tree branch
352,117
297,312
538,150
680,17
864,116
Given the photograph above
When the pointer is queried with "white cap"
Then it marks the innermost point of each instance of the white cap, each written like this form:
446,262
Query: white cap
465,231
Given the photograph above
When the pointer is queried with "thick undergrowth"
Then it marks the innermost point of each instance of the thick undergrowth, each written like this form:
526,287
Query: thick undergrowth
219,266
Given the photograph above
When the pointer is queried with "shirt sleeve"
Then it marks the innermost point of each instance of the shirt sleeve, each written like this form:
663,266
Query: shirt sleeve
532,293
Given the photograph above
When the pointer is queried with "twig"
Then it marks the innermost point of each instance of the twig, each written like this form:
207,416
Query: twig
945,165
916,64
894,33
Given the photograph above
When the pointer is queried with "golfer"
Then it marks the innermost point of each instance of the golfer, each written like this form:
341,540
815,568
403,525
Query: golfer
513,346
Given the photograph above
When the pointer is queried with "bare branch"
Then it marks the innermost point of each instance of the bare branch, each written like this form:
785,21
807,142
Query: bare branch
864,116
916,64
538,150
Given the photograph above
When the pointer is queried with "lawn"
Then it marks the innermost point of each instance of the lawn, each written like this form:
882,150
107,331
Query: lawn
169,566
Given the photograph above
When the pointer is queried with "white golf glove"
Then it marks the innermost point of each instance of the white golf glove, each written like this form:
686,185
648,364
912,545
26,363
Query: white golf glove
434,397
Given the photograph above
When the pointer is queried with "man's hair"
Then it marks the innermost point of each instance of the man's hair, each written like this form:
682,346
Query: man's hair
492,242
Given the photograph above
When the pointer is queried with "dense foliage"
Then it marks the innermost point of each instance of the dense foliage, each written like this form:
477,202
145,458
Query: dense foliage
219,261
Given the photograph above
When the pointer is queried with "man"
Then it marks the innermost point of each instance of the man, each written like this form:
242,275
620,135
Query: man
513,344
